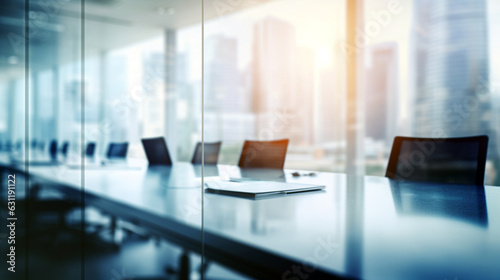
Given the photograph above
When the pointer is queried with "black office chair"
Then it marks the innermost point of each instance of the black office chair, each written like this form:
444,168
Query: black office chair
117,150
52,149
156,151
440,160
90,150
263,154
65,148
211,151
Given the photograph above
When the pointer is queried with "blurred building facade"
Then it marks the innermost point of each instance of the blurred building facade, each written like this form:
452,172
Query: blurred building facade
381,95
451,52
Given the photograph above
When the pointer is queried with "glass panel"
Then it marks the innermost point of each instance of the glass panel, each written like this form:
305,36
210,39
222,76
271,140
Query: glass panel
115,74
423,78
12,133
274,72
386,107
56,42
275,102
430,70
36,38
144,123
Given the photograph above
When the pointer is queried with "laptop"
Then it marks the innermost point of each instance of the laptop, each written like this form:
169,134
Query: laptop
258,189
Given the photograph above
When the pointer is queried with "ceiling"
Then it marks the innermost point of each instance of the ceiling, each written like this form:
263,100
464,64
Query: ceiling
109,24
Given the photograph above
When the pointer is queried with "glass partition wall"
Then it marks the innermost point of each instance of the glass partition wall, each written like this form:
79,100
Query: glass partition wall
275,98
76,78
143,82
13,120
275,71
40,66
423,77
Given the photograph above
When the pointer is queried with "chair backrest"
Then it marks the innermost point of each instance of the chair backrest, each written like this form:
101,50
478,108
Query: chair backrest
90,150
52,148
263,154
117,150
65,148
211,151
441,160
156,151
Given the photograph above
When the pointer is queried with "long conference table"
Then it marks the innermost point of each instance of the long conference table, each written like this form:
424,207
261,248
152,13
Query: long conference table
357,228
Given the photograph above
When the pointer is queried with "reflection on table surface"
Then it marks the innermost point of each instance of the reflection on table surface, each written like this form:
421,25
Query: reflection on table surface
460,202
366,227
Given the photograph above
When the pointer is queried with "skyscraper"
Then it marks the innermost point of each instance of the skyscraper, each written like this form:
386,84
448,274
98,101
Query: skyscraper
152,64
452,72
303,131
222,90
274,71
382,92
227,116
274,61
451,60
330,108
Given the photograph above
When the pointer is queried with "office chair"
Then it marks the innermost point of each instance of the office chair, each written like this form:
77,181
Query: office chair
211,151
34,144
90,150
263,154
117,150
439,160
156,151
64,148
52,149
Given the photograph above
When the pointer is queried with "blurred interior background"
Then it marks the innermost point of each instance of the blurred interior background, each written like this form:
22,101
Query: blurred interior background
273,69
